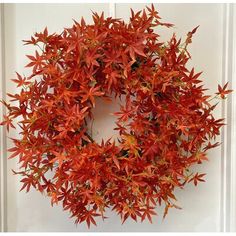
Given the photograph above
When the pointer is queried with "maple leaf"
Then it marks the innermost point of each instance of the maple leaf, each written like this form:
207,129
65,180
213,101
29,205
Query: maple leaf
152,149
8,122
89,94
59,157
133,212
91,58
17,151
120,128
67,95
28,182
112,57
42,36
193,77
125,112
147,212
197,177
201,156
112,78
152,11
21,81
137,48
48,185
86,194
223,91
36,62
32,41
89,217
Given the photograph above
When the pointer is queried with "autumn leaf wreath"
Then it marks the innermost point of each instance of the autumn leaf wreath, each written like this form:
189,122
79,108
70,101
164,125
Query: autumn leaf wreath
166,124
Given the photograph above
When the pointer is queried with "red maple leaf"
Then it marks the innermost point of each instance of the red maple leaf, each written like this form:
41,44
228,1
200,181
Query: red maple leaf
197,178
223,91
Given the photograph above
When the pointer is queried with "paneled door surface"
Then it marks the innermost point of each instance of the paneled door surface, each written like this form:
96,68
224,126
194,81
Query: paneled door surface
207,207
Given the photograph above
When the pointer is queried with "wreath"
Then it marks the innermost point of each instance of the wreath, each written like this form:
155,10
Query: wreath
166,123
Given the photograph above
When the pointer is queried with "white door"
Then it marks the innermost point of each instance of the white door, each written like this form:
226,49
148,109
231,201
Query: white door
205,207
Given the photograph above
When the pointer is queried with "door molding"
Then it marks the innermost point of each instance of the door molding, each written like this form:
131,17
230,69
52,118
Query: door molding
3,157
228,137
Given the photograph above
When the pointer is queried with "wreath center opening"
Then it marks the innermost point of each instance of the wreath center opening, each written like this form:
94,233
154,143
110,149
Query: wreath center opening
103,123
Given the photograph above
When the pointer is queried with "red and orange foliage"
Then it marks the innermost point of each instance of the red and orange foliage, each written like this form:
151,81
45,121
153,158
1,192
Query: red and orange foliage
166,124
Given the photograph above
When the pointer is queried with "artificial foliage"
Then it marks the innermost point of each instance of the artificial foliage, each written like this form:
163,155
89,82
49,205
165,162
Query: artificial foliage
166,123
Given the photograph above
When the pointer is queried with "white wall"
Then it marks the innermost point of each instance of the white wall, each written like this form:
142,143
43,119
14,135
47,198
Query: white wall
201,205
